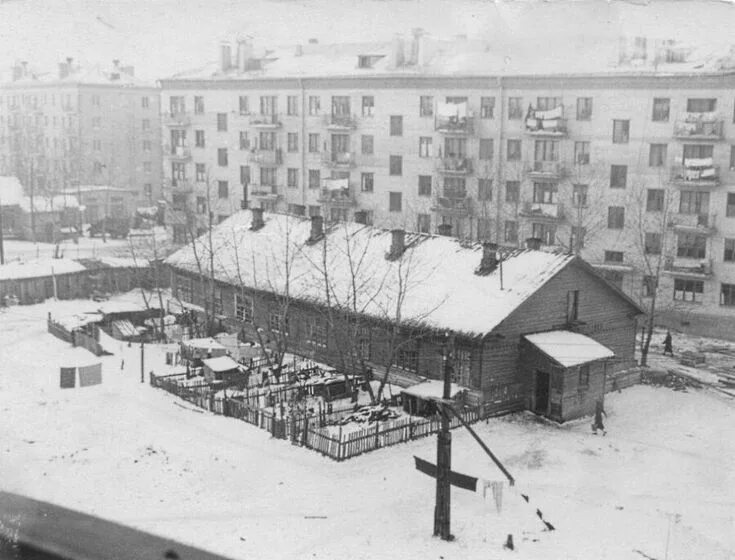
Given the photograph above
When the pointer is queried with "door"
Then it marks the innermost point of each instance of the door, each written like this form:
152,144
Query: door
542,392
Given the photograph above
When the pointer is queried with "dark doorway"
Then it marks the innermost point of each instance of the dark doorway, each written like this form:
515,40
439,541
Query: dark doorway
542,392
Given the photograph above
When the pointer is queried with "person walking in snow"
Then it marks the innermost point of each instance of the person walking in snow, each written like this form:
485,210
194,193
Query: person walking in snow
668,349
599,411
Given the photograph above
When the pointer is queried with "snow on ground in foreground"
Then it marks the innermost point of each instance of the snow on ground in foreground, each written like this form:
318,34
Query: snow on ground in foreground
137,455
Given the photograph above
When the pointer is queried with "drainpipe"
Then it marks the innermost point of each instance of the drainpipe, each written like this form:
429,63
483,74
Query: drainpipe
302,144
499,168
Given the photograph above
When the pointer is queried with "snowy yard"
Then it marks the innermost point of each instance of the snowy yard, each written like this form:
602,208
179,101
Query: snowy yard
127,452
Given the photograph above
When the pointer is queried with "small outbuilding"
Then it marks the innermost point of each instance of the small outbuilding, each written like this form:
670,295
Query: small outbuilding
201,348
222,368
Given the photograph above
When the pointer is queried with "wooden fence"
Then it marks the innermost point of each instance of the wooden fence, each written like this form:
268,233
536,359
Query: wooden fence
58,330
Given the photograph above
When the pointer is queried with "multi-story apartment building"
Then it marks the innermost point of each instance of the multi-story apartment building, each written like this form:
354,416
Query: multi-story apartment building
626,161
83,127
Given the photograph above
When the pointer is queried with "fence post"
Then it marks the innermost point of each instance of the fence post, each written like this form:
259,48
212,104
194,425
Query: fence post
377,431
339,445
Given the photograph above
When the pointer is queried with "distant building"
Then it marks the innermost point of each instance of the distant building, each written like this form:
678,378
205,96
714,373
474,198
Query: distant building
82,126
622,154
526,328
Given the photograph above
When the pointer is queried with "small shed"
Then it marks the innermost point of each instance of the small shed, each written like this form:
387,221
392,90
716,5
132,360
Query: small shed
418,399
201,348
566,372
222,368
125,330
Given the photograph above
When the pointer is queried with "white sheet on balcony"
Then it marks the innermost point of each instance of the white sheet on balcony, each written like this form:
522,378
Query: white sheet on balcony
446,110
698,162
336,184
550,114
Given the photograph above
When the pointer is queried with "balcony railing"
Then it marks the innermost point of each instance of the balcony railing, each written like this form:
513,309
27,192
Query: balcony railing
338,159
549,210
546,123
265,121
182,185
267,192
340,122
182,153
454,118
695,268
546,169
699,126
696,173
454,165
334,194
453,204
266,157
176,119
703,224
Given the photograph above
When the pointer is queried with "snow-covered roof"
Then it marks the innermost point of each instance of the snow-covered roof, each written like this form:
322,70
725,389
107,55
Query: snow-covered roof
203,343
439,287
569,348
17,270
222,363
11,191
432,389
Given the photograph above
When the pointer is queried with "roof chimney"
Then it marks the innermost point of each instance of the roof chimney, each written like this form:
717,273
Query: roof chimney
398,244
417,32
489,261
257,221
17,72
444,229
63,70
397,47
115,62
533,243
313,41
225,56
317,228
244,54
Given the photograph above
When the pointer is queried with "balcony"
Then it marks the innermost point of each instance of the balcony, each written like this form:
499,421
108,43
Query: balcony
454,118
176,120
183,186
340,122
696,173
266,157
545,170
692,268
178,153
339,160
699,126
702,224
336,193
264,193
552,211
456,204
454,165
546,123
265,121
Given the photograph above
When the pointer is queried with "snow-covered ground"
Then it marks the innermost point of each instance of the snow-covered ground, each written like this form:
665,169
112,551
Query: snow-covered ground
127,452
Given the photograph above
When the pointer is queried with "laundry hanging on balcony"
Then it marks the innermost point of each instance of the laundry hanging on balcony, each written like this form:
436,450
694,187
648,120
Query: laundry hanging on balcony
549,120
699,168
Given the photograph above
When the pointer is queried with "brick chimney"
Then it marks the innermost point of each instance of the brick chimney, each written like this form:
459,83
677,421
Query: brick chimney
244,54
489,261
398,244
317,228
225,56
257,221
533,243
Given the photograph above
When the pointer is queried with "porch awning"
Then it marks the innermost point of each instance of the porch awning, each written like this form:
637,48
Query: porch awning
432,390
569,348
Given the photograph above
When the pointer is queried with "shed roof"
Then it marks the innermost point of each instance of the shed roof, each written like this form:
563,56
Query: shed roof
569,348
203,343
39,268
222,363
432,389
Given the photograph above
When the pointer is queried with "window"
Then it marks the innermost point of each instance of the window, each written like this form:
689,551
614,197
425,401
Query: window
314,210
96,122
315,105
243,308
144,102
729,255
691,246
649,286
178,170
277,323
244,105
201,205
313,142
425,146
487,107
661,108
584,376
368,105
176,104
366,144
268,105
292,105
426,106
95,101
408,359
584,108
688,290
314,178
199,138
292,141
244,140
221,122
544,193
366,182
732,158
423,224
655,200
515,108
657,155
572,305
697,151
546,150
727,294
147,145
621,131
201,173
396,125
316,334
454,187
652,243
395,203
616,217
701,105
614,256
576,240
618,176
547,103
484,189
395,165
512,191
582,153
511,231
424,185
292,177
694,202
486,149
268,177
245,175
148,190
514,150
222,157
222,189
198,104
147,166
545,232
579,195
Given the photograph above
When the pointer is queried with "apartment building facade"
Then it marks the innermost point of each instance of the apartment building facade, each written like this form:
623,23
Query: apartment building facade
83,127
634,169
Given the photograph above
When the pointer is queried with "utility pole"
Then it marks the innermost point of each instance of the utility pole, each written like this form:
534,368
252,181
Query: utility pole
142,362
33,205
2,239
442,507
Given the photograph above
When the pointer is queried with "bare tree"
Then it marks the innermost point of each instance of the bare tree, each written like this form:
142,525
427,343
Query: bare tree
586,208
